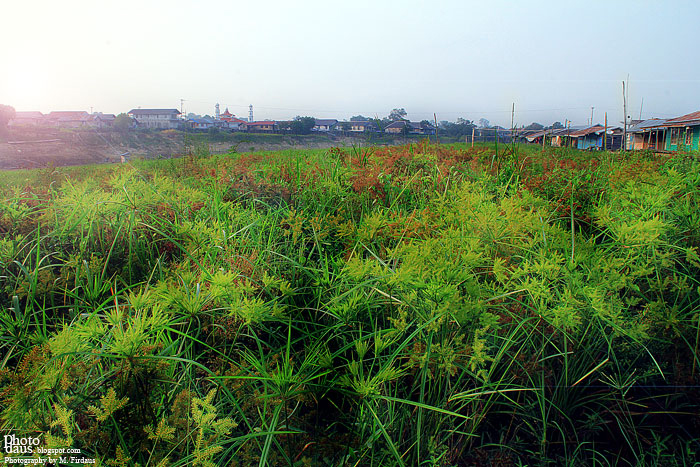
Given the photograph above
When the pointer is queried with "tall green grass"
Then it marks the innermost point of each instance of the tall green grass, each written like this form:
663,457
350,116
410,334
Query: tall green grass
419,305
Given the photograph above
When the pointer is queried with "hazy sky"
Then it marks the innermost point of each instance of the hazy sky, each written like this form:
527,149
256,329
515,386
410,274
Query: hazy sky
336,59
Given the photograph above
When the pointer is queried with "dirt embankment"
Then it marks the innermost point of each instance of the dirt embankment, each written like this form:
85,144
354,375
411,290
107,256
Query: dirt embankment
42,147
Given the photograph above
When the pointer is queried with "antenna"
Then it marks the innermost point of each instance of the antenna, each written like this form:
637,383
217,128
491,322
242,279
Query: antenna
250,113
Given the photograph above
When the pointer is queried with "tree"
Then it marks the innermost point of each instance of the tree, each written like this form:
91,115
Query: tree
461,127
483,123
397,114
557,126
302,125
359,118
535,126
122,122
7,113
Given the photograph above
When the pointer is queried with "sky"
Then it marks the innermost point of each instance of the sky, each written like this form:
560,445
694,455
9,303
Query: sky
326,59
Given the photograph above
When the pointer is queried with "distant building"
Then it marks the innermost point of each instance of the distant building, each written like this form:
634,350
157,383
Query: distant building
27,119
100,120
233,123
325,125
162,119
68,119
267,126
362,126
202,123
411,128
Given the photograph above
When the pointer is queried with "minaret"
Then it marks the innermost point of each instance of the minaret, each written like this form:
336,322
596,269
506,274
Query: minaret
217,114
250,113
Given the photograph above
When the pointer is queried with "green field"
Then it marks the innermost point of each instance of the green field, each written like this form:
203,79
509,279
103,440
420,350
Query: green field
413,305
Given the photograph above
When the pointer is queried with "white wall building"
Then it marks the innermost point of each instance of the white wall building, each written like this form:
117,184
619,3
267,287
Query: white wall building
161,119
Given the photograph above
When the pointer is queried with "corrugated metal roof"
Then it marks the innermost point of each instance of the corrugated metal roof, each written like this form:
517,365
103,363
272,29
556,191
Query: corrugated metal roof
595,129
325,121
690,119
646,125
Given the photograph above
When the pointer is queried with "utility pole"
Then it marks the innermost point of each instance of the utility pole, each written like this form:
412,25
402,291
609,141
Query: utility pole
592,115
624,115
640,109
512,124
605,134
437,136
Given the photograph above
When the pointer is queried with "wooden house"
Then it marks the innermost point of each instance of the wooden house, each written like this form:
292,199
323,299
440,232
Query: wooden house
682,132
592,138
646,134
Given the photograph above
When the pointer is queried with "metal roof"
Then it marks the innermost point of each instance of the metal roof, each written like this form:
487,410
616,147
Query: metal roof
325,121
646,125
690,119
153,111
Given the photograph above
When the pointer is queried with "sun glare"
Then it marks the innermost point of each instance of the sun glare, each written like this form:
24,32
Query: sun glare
26,84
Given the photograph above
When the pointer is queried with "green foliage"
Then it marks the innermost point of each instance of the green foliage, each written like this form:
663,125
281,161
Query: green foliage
302,125
415,305
122,122
7,113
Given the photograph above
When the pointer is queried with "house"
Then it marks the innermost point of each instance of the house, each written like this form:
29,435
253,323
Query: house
411,128
68,119
536,136
200,123
236,124
266,126
592,138
100,120
27,119
400,127
362,126
161,119
646,134
325,125
682,132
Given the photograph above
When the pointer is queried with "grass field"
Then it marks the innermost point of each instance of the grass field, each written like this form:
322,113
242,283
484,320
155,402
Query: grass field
414,305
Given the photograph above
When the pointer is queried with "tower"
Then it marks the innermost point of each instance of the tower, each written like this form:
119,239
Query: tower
217,114
250,113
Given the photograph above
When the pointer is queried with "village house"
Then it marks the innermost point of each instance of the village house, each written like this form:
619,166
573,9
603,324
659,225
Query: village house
27,119
100,120
593,138
68,119
162,119
200,123
325,125
682,132
236,124
646,134
232,123
267,126
411,128
361,126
